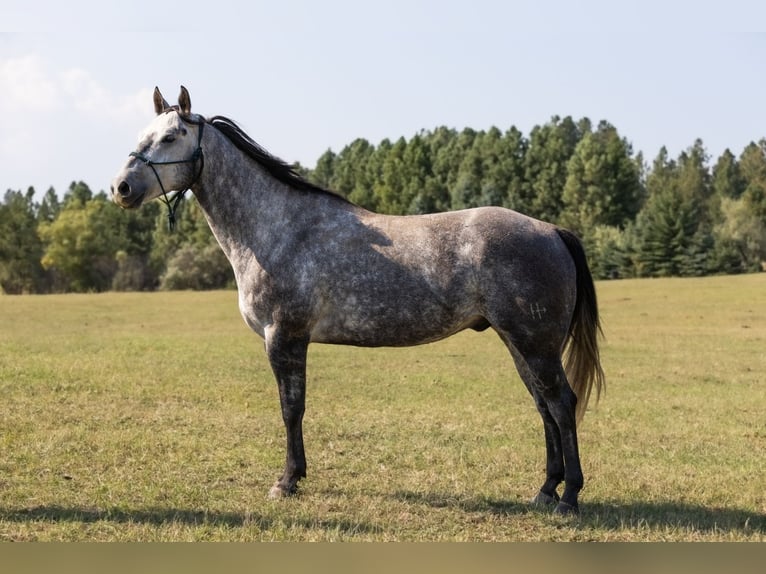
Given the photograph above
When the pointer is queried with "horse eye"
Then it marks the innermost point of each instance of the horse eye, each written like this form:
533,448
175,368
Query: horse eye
169,138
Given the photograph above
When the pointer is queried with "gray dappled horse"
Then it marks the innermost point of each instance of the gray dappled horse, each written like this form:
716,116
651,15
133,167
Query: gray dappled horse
312,267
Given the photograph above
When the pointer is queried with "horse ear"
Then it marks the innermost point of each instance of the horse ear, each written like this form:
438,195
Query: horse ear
160,105
184,101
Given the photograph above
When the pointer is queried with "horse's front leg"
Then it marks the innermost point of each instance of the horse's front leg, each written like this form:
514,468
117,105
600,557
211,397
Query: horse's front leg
287,357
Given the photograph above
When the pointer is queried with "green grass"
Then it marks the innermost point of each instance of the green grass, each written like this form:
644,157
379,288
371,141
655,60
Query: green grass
155,417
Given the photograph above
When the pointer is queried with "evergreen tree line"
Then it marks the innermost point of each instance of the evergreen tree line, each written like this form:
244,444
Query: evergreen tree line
85,243
673,217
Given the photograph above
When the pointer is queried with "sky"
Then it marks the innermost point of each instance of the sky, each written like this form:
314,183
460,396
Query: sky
302,77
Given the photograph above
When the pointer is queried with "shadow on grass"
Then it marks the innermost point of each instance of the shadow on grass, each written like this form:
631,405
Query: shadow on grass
617,515
612,516
169,516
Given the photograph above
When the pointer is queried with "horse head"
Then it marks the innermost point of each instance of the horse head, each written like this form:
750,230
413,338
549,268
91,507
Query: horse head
168,156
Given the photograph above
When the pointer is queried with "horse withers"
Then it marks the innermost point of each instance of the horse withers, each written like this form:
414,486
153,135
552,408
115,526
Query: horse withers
311,266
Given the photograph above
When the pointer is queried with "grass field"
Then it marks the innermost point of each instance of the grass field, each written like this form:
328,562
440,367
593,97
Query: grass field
155,417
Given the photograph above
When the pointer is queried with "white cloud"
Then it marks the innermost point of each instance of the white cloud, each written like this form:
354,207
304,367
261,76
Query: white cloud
85,93
89,97
28,85
25,85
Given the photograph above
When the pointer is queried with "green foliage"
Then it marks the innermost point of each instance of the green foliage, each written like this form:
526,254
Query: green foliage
20,247
674,227
467,190
602,186
199,268
550,149
391,196
727,178
324,172
740,237
85,243
753,168
608,253
132,273
81,245
50,207
78,193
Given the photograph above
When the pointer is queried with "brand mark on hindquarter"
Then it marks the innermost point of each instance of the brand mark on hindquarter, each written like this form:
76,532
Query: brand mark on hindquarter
537,311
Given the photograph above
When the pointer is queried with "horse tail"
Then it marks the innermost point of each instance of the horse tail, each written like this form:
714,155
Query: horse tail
582,362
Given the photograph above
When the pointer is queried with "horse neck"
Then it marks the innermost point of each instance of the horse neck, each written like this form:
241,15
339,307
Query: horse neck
240,199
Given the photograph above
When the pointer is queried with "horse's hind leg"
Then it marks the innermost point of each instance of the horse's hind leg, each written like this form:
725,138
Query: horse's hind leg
555,401
554,464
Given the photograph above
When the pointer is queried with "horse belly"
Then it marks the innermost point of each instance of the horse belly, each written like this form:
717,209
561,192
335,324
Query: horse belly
398,321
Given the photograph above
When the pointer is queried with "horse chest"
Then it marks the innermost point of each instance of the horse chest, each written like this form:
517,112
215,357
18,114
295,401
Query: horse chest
252,319
265,301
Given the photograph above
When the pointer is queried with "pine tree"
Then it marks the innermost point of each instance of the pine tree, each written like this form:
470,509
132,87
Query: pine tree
349,167
418,175
390,194
550,148
727,180
511,169
440,141
603,184
466,192
78,192
49,207
20,246
753,167
674,230
324,172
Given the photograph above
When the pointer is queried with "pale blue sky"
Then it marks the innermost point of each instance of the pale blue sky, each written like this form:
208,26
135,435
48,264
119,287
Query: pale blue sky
301,77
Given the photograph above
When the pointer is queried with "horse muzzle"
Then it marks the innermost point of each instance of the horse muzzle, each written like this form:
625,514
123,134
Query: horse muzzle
125,196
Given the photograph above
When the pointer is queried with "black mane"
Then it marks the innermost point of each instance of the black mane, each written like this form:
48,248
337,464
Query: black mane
279,169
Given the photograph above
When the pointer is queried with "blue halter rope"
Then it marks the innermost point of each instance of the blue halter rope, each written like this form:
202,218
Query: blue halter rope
173,202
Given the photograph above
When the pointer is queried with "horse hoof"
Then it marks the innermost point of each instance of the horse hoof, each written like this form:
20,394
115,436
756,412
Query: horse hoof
275,493
279,492
542,499
564,509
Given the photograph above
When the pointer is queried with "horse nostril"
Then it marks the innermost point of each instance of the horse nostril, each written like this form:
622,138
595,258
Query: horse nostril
123,188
